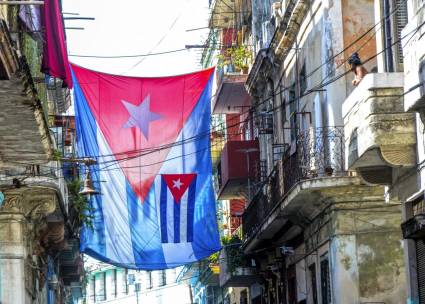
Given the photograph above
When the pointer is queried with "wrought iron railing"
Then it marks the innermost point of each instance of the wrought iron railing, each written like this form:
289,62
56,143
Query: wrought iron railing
319,153
254,214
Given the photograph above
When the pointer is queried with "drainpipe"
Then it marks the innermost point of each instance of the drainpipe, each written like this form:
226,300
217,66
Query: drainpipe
389,63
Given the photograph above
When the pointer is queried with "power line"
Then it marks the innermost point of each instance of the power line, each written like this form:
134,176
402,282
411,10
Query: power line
167,146
127,56
158,43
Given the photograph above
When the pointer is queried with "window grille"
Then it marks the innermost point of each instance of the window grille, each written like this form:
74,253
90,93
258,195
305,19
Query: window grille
264,123
401,21
420,264
313,282
325,280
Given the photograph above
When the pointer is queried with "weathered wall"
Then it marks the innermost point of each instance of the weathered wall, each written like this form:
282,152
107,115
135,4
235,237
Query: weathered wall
323,34
364,244
12,255
358,17
235,294
367,255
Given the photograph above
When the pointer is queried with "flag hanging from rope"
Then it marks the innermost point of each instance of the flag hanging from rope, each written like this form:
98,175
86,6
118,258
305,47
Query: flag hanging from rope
150,137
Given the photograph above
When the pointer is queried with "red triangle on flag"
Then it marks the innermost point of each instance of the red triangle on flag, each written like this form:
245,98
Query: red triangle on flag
178,184
117,102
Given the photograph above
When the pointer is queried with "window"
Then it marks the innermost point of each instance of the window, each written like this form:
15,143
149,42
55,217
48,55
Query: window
292,285
293,112
422,77
325,279
303,80
418,207
124,281
401,21
92,293
244,297
162,278
313,282
101,292
114,283
149,282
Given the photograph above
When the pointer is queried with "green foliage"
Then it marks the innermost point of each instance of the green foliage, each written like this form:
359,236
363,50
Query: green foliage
229,240
213,259
234,254
239,56
56,155
80,207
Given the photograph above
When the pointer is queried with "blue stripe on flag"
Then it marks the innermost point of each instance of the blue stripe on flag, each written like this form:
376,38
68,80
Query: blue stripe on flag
92,240
176,222
163,211
191,209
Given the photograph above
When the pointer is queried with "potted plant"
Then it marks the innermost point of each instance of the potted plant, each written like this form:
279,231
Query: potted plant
238,56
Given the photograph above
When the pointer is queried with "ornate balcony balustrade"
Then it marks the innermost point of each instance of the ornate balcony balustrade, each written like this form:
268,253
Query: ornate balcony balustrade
319,154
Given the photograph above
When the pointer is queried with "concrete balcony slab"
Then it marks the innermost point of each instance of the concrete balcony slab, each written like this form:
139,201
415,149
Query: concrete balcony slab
379,134
303,202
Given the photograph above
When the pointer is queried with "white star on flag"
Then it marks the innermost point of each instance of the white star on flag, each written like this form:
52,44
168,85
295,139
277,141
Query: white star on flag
177,184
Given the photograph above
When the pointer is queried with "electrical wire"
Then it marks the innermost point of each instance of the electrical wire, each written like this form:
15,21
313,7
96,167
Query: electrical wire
127,56
157,44
250,110
310,74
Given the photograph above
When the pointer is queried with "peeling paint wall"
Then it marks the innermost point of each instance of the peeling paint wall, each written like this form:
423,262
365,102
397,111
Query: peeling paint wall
365,249
367,255
328,28
358,17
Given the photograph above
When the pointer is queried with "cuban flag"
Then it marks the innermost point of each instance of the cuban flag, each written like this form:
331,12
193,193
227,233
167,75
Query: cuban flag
151,140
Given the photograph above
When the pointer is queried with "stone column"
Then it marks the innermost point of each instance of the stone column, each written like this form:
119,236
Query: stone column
19,216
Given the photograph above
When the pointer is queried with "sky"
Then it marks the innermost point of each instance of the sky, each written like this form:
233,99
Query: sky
128,27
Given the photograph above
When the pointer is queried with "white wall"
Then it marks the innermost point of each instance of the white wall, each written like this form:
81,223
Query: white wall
171,292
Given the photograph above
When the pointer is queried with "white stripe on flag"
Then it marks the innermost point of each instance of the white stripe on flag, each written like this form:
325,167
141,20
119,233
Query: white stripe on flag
118,242
183,217
170,216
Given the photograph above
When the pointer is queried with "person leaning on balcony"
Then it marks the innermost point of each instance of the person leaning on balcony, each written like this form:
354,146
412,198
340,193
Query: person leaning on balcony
357,67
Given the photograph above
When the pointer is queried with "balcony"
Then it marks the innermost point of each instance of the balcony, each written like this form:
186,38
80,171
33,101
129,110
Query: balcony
225,14
209,273
235,270
237,169
380,135
21,110
71,263
301,186
231,96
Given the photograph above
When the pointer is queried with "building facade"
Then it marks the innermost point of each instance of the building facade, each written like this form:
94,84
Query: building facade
408,184
109,284
328,173
40,260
